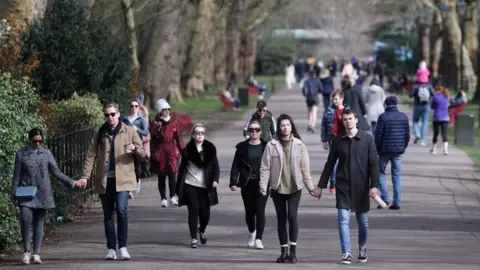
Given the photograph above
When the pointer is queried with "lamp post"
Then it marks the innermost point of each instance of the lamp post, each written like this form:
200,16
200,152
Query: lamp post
461,11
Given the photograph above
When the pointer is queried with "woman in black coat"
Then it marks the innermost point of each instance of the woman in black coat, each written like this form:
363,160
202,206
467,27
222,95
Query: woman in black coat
353,98
245,174
197,182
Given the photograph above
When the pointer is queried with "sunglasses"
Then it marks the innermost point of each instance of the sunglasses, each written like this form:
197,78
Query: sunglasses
256,130
199,133
37,141
262,110
133,106
110,114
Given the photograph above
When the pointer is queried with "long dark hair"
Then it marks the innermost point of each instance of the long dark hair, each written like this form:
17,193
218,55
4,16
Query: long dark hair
294,128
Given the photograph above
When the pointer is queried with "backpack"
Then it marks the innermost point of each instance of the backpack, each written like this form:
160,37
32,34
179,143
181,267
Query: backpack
423,94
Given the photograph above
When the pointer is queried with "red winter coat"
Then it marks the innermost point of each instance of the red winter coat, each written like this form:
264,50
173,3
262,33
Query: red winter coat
167,145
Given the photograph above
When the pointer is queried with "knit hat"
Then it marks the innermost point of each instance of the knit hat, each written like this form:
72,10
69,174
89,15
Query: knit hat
162,104
391,101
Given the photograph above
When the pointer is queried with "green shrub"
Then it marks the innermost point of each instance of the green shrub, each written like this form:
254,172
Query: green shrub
18,114
75,113
77,53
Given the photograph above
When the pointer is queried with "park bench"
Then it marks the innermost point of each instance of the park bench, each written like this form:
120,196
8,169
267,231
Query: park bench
452,112
252,90
227,104
184,121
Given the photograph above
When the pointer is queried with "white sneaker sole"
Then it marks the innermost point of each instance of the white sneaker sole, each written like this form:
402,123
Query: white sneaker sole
346,262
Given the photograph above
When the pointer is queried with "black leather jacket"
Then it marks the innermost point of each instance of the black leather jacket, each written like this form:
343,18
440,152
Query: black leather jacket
241,168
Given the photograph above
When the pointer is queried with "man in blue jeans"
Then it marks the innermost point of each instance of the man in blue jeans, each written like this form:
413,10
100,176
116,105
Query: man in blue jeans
422,94
391,138
112,151
357,180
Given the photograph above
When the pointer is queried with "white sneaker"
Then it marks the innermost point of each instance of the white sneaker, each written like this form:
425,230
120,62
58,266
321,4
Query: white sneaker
258,244
164,203
251,242
26,258
111,255
124,255
445,152
36,259
174,201
433,151
423,143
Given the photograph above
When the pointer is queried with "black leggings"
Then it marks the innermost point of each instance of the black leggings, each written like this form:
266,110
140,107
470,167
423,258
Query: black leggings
437,125
254,203
162,185
198,204
286,206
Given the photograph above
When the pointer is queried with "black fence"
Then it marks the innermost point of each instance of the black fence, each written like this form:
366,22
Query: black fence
69,151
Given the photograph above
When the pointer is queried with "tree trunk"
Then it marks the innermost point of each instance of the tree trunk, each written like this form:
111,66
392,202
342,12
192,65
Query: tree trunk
451,63
24,10
162,64
424,34
199,66
471,32
234,23
436,55
131,33
248,47
220,50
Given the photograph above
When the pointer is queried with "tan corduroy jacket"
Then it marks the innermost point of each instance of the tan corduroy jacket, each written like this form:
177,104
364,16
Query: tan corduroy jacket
272,165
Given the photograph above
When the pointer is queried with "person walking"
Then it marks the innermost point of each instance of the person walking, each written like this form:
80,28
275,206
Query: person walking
167,144
32,191
354,100
197,183
311,89
391,139
332,125
245,174
113,152
374,103
137,121
357,179
441,118
326,79
285,167
266,120
422,94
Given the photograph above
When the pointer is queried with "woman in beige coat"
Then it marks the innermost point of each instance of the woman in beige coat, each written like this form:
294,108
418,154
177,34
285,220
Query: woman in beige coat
285,168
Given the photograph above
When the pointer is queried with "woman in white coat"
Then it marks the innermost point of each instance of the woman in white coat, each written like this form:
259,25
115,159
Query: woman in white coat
290,76
374,101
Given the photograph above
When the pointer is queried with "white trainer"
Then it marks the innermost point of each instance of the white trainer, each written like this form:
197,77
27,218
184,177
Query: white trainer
258,244
36,259
111,255
26,258
251,241
174,201
164,203
124,255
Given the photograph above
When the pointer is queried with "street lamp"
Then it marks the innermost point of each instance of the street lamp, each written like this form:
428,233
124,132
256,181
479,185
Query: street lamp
461,9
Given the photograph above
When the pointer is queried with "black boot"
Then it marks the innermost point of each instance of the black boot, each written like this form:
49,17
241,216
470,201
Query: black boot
292,258
284,256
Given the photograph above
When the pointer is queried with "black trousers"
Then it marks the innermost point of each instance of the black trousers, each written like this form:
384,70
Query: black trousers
286,206
198,209
254,203
437,126
162,184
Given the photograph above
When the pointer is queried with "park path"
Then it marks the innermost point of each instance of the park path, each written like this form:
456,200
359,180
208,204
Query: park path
437,228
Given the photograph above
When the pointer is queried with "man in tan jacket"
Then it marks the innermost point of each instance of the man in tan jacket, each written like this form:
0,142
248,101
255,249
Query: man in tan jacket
113,150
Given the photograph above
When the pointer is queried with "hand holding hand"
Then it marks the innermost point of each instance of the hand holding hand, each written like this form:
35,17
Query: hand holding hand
233,188
263,192
317,193
135,127
215,184
131,147
82,183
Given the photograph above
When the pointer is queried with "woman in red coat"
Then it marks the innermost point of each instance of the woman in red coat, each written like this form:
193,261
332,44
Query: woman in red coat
167,145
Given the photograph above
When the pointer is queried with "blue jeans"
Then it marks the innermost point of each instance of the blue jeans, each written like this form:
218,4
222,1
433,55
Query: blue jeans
420,111
115,202
396,164
344,229
333,178
326,102
374,127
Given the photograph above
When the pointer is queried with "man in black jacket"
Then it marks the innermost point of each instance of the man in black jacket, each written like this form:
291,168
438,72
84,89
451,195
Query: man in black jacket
266,120
357,180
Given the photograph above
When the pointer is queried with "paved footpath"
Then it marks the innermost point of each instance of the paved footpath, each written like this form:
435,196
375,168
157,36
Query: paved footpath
437,228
